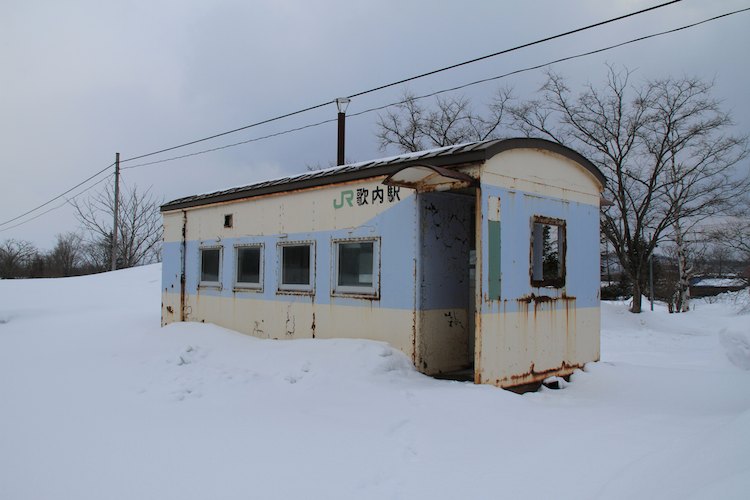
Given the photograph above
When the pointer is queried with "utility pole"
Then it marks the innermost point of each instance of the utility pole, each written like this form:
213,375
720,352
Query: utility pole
117,209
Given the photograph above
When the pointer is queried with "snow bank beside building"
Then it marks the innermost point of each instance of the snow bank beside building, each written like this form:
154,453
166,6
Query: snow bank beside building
100,402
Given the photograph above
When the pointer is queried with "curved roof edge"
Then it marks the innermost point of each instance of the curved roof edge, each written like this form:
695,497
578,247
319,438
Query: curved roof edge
555,147
462,154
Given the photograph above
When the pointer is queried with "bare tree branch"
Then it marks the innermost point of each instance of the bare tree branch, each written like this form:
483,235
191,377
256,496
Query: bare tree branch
139,227
663,148
66,257
15,256
411,126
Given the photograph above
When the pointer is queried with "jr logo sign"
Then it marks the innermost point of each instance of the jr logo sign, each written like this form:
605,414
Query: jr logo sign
346,197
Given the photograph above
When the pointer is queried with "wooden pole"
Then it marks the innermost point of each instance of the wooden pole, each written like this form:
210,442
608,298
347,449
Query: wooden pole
116,211
340,145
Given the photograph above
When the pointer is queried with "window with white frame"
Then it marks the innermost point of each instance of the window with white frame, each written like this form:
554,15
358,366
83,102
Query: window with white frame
548,247
210,258
356,269
249,266
297,265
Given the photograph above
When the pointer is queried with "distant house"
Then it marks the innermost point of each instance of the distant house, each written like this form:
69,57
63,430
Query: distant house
481,257
710,286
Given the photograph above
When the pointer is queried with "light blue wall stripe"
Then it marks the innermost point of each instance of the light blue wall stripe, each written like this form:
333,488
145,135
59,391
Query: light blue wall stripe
396,228
582,258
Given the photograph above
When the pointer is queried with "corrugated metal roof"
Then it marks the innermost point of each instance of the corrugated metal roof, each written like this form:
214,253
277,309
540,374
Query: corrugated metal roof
451,155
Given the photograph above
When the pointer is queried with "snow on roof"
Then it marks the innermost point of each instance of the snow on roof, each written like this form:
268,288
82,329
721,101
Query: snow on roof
444,156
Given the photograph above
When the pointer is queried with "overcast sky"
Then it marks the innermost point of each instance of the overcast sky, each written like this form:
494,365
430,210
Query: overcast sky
81,80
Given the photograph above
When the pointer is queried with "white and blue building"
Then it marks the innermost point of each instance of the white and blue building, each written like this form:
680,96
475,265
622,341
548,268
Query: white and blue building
482,258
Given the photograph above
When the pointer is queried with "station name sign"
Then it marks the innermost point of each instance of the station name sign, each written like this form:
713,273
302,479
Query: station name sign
365,196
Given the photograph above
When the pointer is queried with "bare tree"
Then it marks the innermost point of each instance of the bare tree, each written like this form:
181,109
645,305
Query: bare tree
15,257
97,254
139,227
734,233
66,257
411,126
720,259
686,132
663,148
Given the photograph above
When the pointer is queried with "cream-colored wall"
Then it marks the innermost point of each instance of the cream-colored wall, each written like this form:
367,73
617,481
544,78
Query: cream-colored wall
277,214
533,333
172,222
393,326
301,320
170,307
523,347
543,173
443,341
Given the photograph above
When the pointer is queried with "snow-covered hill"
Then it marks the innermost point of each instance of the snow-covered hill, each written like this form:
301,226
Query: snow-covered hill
98,402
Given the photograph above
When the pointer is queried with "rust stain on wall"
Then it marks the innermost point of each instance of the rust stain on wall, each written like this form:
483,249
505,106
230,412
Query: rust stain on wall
290,321
532,375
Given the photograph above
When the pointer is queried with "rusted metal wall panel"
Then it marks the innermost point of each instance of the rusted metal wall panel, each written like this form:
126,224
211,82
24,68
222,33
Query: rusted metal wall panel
525,332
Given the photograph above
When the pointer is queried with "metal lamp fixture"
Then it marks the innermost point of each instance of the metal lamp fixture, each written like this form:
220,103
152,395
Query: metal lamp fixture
342,103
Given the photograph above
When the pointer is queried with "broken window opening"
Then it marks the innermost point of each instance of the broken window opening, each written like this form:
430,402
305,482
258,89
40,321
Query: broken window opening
548,246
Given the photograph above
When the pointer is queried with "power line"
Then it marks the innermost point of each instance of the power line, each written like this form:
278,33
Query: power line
310,108
513,49
549,63
256,124
67,201
412,78
438,92
226,146
56,197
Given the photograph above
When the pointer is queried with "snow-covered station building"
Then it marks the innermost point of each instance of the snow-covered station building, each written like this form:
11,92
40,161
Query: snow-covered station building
481,258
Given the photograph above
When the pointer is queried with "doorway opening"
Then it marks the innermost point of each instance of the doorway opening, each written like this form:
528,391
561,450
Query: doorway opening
447,283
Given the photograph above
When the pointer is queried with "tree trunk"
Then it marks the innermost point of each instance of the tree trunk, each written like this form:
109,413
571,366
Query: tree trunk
683,283
637,295
683,272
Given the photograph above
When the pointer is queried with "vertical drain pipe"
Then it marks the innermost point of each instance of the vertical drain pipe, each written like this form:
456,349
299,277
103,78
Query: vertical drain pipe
183,252
416,313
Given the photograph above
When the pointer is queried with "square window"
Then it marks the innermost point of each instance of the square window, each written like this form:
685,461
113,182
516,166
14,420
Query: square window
210,266
249,266
356,271
297,263
548,252
228,220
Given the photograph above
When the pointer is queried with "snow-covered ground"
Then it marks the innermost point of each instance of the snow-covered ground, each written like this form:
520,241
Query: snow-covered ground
98,402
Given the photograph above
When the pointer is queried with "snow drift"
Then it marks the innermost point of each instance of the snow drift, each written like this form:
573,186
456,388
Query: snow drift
98,402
